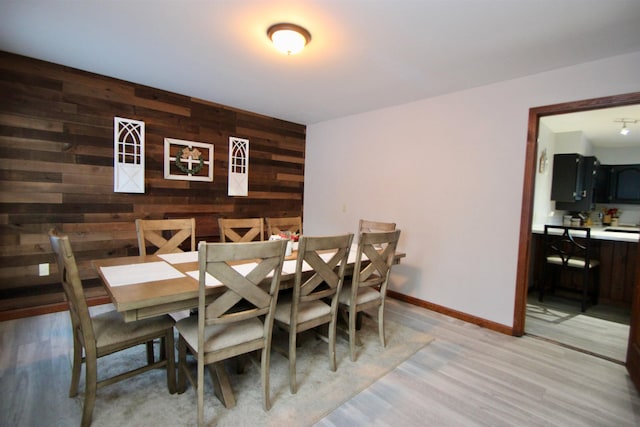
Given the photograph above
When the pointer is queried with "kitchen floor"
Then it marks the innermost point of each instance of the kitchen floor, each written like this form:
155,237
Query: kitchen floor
602,330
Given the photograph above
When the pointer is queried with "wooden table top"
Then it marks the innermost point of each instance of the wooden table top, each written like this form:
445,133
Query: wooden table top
147,299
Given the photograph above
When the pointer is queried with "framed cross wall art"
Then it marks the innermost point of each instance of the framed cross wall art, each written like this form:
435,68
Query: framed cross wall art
188,160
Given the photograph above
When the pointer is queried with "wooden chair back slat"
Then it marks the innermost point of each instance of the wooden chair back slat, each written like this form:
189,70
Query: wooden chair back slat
374,270
154,231
217,260
241,229
368,226
277,225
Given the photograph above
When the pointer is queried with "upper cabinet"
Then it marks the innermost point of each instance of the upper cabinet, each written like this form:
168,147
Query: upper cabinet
624,184
581,181
602,178
568,178
574,182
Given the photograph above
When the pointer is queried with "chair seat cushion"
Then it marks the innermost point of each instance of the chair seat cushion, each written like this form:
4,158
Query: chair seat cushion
573,262
218,337
364,295
110,328
306,311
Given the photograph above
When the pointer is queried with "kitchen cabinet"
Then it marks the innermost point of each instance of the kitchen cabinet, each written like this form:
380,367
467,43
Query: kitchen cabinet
602,178
574,182
617,272
624,184
568,174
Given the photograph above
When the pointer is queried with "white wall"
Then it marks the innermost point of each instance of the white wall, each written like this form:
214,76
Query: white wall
449,171
543,206
617,155
573,142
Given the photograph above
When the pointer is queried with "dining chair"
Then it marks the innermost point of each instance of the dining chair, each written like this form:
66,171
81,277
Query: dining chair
105,333
368,287
319,273
241,229
569,249
237,322
278,225
151,231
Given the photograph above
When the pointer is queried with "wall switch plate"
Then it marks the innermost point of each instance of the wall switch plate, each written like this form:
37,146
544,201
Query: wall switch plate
43,269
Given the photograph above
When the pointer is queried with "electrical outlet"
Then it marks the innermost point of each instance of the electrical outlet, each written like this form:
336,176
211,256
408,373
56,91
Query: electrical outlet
43,269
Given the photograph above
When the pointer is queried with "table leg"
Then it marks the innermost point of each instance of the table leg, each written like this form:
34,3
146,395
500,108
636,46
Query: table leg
221,384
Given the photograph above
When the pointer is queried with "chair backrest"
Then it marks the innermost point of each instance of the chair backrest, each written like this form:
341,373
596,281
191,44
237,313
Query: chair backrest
568,246
278,225
366,226
241,269
241,229
376,252
165,234
72,285
327,257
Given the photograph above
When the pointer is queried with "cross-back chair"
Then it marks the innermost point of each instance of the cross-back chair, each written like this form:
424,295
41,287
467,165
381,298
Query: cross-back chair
155,231
326,257
278,225
241,229
569,249
231,325
368,287
105,333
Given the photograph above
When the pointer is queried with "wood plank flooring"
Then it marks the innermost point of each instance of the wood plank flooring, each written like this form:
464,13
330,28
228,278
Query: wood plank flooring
468,376
602,330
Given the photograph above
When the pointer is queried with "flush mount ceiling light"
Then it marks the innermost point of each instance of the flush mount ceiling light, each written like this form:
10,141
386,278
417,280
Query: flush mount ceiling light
625,130
288,38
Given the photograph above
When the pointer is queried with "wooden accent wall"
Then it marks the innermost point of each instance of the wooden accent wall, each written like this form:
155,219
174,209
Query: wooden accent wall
56,170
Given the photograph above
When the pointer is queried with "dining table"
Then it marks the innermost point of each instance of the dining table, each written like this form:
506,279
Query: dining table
141,287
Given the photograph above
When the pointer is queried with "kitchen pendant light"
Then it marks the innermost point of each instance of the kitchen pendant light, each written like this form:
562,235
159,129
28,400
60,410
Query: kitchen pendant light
288,38
625,130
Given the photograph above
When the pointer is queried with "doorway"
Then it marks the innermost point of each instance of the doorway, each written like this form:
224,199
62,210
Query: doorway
603,330
524,269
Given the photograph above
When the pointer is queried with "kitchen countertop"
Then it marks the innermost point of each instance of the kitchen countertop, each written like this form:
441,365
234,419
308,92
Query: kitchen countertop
598,232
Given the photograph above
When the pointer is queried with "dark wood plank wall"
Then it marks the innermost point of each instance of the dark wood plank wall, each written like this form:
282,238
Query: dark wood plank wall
56,170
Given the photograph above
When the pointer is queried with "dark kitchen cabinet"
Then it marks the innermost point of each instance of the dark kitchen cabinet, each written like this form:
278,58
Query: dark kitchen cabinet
568,176
602,179
574,181
624,184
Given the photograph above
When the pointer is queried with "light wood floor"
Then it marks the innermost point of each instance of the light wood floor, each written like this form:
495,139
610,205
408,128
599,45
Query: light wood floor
468,376
602,330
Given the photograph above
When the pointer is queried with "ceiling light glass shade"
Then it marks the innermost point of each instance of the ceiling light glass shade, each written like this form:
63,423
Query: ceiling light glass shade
289,38
624,130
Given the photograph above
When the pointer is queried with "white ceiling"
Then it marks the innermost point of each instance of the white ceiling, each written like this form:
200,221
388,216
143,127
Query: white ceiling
600,127
364,55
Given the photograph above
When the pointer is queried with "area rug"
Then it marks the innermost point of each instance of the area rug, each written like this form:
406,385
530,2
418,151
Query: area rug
145,401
